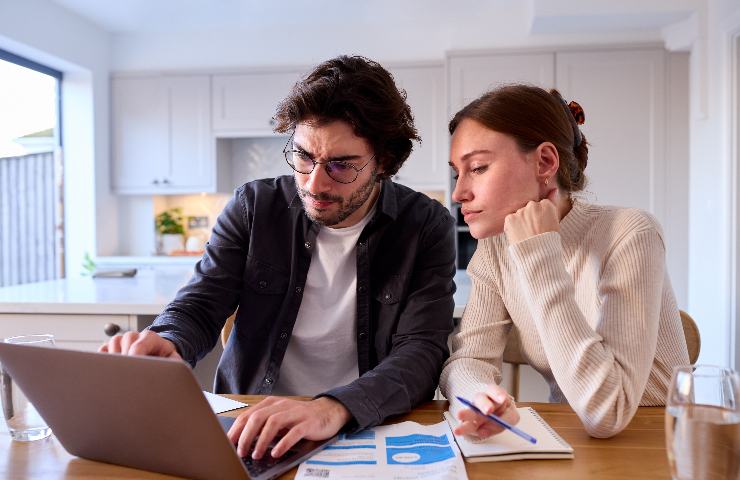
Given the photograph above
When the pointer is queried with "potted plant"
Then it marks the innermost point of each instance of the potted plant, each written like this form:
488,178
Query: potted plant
171,231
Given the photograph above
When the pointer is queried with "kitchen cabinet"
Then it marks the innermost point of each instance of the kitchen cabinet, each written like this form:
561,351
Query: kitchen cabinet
161,134
623,95
472,75
244,104
426,168
75,332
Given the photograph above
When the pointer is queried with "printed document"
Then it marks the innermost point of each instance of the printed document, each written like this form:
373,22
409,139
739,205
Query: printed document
405,451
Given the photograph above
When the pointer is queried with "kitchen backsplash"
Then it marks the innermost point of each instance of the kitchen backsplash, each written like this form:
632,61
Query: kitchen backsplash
199,206
254,158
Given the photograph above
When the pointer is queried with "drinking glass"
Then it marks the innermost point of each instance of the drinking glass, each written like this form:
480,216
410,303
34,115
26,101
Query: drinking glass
702,423
24,422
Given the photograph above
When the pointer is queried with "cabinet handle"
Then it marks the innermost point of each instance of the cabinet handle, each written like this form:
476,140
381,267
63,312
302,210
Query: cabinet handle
155,181
111,329
166,181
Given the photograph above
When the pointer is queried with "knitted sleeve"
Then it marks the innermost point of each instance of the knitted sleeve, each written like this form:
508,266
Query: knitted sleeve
477,347
602,371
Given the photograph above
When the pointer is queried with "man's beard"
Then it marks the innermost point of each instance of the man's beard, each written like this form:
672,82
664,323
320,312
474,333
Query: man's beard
346,207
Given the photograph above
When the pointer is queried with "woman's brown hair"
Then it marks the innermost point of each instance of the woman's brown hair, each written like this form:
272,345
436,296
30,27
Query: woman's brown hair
532,116
362,93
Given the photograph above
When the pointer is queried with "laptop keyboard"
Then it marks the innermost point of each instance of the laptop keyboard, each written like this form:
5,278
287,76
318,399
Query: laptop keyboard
257,467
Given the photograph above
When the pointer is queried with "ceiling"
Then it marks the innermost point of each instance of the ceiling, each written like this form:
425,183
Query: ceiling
177,16
132,17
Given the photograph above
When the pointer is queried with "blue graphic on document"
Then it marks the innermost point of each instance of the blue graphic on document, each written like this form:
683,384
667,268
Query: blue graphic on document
418,449
350,449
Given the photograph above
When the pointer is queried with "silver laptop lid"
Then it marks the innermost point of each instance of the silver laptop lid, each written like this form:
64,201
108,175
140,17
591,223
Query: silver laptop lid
142,412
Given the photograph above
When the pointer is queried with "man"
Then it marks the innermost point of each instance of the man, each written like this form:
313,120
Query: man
342,278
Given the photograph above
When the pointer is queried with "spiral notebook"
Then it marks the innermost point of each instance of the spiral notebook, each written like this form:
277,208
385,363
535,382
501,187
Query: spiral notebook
508,446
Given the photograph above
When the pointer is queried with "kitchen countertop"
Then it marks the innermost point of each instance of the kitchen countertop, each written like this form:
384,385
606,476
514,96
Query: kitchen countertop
145,294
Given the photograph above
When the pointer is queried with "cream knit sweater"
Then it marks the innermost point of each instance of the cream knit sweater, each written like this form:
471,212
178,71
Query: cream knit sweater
593,306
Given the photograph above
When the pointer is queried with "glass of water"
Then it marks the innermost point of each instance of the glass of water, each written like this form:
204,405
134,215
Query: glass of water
702,423
24,422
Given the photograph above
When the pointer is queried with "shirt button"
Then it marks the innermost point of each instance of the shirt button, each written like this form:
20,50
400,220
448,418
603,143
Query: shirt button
268,380
363,243
298,289
307,244
363,335
283,335
361,289
262,284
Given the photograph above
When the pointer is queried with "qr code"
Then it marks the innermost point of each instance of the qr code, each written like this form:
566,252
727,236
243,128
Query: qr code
317,472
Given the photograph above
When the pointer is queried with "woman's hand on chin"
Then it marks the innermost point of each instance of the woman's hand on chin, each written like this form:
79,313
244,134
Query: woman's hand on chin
533,219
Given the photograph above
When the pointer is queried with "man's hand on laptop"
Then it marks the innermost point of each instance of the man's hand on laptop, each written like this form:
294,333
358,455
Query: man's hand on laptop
317,419
141,343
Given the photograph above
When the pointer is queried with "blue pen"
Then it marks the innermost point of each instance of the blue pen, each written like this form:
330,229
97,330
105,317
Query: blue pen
498,420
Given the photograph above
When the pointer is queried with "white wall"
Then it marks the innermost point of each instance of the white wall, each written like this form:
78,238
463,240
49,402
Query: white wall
46,33
711,211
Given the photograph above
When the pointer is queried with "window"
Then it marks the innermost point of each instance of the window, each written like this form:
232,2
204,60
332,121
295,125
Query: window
31,231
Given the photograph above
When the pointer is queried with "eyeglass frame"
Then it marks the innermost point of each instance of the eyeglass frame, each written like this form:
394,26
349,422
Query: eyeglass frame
286,151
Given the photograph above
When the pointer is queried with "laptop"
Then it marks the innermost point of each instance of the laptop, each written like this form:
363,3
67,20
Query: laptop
142,412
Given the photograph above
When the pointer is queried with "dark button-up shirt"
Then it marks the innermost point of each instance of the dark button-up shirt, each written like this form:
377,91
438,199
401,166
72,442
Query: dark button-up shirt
257,259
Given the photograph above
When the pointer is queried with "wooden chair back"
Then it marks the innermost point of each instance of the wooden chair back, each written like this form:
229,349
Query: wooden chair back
513,351
693,339
226,331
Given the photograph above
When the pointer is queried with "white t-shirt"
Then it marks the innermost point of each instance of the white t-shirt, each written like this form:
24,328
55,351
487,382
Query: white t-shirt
322,352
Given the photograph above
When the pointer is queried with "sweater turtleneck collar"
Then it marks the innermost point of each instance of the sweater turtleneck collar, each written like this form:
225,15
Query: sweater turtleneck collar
576,221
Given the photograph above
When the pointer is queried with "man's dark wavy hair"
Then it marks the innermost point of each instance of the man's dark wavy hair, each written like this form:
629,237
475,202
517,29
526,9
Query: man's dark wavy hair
362,93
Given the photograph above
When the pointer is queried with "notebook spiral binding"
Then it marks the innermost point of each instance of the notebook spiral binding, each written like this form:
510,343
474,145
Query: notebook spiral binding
547,426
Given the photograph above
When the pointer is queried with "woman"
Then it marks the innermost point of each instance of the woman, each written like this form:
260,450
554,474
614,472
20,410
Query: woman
585,286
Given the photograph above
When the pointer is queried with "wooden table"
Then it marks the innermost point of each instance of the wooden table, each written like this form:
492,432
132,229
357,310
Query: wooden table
636,453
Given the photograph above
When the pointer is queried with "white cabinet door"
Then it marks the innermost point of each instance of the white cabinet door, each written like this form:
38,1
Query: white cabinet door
162,142
140,145
244,104
473,75
191,145
623,96
426,168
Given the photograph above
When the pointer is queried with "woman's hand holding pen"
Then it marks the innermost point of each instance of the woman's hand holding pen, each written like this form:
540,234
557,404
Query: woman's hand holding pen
494,400
533,219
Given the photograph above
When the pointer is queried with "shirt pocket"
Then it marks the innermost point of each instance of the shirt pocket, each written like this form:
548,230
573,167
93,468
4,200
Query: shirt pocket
391,290
263,279
387,296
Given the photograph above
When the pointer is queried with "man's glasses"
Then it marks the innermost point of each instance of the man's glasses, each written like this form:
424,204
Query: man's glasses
339,171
